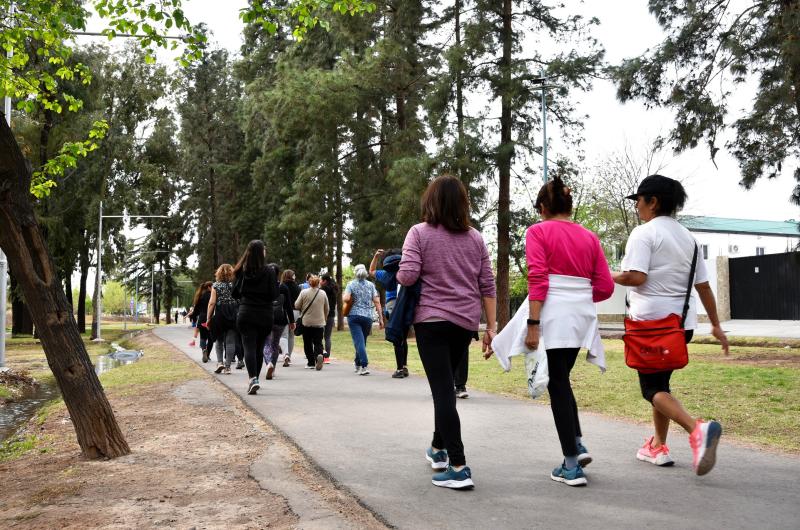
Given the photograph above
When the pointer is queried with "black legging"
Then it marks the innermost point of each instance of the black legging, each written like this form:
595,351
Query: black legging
442,346
562,401
312,344
401,353
254,336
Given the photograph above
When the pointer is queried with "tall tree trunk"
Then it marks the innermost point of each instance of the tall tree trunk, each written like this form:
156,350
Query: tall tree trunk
460,147
505,154
21,321
68,290
96,428
212,195
169,294
338,239
84,265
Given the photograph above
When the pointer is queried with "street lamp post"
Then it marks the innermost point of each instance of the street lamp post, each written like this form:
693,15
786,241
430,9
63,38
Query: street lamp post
543,86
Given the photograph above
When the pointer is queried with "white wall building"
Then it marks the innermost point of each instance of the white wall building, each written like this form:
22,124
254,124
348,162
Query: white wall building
738,238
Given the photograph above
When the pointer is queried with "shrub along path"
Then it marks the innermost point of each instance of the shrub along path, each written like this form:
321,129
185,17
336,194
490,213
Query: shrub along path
369,433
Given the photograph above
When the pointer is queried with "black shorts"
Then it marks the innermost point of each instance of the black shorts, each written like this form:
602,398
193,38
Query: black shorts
652,384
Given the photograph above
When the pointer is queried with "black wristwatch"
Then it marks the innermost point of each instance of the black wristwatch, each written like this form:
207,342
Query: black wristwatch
533,322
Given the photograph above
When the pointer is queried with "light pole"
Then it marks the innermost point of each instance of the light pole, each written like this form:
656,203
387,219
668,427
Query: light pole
543,86
98,310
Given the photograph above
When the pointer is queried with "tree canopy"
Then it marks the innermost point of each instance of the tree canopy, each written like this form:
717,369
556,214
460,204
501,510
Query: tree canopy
713,51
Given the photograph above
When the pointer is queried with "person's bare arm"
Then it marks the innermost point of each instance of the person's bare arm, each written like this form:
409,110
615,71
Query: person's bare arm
534,313
373,265
212,303
377,301
490,308
629,278
710,304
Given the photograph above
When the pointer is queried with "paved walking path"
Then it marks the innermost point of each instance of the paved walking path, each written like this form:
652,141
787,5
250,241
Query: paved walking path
369,433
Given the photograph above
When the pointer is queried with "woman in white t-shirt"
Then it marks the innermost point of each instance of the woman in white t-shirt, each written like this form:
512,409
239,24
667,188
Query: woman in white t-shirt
657,263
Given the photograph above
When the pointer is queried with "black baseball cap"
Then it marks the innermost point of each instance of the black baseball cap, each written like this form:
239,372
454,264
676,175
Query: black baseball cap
654,185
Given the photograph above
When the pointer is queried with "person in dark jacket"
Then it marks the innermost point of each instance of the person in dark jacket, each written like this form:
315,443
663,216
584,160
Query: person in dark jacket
199,309
256,286
282,317
288,279
386,277
332,291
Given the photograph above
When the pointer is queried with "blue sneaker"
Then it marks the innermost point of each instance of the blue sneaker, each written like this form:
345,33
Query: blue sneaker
438,459
570,477
457,480
253,387
584,458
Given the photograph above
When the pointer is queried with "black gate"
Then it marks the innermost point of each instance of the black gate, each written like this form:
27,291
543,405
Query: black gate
766,287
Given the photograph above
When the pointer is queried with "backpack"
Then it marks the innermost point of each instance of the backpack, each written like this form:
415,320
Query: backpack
278,313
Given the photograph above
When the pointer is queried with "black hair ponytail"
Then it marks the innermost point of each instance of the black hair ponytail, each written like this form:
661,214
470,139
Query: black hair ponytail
555,196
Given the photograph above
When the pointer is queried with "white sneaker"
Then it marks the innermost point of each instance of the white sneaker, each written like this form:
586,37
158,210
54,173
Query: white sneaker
270,370
358,370
364,371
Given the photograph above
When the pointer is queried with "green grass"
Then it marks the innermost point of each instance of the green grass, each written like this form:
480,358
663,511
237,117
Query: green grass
16,447
158,365
755,398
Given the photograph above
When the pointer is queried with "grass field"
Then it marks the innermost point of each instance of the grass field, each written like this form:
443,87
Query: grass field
755,392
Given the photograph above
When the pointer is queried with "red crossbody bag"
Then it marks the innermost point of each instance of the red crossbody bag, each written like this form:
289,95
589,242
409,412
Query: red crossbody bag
659,345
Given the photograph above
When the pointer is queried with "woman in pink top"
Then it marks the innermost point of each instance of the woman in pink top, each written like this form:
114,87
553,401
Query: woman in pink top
567,273
451,262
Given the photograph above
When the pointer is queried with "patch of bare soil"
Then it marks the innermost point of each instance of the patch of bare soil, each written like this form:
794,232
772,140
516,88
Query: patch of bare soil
189,468
761,359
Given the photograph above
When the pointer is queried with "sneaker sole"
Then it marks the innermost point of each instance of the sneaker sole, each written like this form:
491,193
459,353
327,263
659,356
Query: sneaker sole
253,389
286,363
465,484
580,481
270,372
584,460
658,461
319,364
436,466
219,369
709,457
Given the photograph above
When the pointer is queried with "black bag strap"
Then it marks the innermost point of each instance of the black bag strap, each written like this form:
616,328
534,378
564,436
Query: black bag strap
689,287
309,304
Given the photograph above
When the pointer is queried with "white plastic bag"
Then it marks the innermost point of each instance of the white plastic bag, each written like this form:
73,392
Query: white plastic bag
538,372
511,342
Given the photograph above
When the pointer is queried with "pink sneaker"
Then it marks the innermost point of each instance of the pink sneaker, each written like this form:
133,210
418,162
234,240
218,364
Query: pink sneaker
704,440
659,456
192,343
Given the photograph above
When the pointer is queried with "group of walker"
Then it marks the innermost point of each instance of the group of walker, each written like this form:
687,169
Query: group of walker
446,266
246,311
567,274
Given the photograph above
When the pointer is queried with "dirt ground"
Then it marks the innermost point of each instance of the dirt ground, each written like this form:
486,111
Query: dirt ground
193,445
